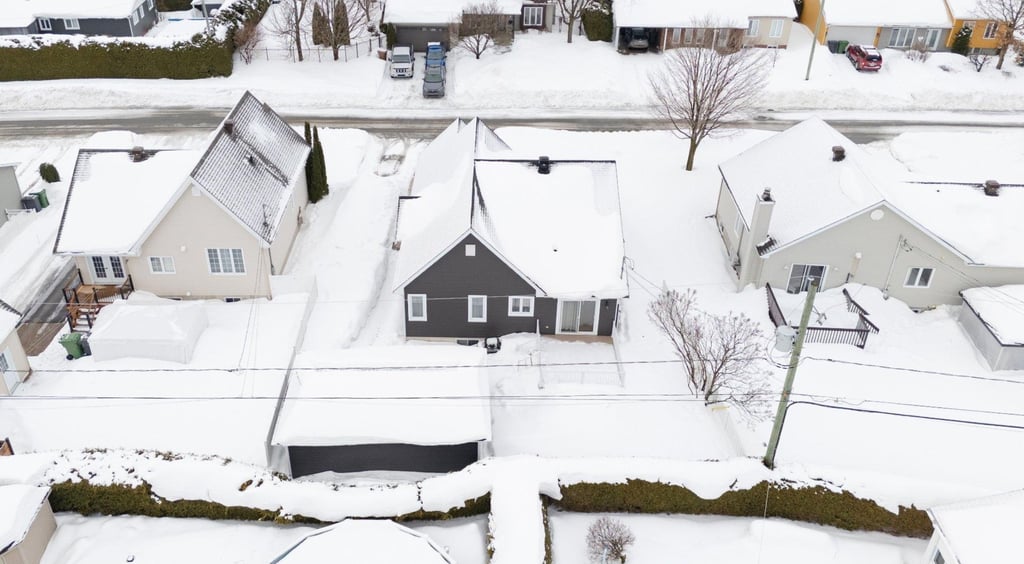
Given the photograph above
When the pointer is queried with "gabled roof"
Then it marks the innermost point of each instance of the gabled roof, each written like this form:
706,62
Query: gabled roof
114,199
438,11
982,531
9,318
904,13
252,166
19,505
469,183
680,13
21,13
364,541
964,9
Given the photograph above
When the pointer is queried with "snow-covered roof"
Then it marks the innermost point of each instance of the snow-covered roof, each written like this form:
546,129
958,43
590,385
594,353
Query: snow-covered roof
811,190
963,9
364,541
114,199
983,530
908,13
252,166
1001,308
438,11
19,505
386,395
659,13
9,318
20,13
17,14
160,331
467,183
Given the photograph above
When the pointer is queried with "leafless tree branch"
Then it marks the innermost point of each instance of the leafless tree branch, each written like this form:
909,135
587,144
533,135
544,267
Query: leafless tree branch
1010,14
608,538
572,11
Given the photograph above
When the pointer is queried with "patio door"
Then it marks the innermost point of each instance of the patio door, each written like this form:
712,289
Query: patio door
932,39
801,275
107,270
577,316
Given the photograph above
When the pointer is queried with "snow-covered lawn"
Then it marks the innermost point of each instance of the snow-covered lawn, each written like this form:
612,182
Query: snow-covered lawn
730,540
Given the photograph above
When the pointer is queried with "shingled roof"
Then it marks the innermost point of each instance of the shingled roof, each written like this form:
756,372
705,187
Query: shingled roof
252,165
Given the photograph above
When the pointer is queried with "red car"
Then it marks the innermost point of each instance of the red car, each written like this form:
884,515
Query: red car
864,57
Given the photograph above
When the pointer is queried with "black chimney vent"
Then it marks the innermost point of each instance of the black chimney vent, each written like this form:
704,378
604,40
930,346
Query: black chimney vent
229,126
766,196
138,154
838,153
544,165
991,187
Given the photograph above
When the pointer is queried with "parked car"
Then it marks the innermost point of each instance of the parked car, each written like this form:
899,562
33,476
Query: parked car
433,82
639,39
864,57
403,62
435,54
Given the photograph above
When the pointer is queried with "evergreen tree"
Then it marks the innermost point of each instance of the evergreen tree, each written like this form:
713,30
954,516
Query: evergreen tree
321,27
319,183
962,41
310,187
341,23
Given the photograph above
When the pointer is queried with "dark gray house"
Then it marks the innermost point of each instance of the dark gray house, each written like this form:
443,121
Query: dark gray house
418,21
489,244
115,18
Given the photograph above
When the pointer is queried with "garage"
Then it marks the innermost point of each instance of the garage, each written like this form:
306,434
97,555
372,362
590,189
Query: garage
307,460
419,35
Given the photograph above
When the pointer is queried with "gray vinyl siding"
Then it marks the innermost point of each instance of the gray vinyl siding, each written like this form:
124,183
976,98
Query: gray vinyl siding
306,460
886,35
29,30
113,27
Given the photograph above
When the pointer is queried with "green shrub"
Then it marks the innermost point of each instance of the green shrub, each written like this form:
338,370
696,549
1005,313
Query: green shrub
472,507
389,31
810,504
597,22
49,173
173,5
962,41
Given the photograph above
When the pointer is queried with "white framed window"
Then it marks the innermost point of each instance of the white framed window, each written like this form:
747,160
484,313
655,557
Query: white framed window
801,276
778,25
969,25
990,29
676,35
135,17
470,250
901,37
149,3
688,36
416,306
533,16
723,37
142,12
477,308
752,28
8,371
919,277
520,306
71,24
45,24
161,265
225,261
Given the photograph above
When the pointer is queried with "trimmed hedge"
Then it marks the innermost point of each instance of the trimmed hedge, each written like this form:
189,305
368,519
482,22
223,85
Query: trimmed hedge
472,507
597,23
809,504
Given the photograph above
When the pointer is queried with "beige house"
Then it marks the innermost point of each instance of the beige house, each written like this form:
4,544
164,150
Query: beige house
26,524
14,366
734,23
188,224
807,205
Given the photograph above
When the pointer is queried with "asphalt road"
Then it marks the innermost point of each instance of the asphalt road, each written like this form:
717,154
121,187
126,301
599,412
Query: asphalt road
183,120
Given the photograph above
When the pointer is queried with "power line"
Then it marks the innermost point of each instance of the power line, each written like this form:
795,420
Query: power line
917,370
912,415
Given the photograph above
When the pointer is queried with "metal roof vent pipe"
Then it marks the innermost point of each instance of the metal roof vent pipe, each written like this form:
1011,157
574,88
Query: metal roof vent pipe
544,165
991,187
838,153
138,154
229,126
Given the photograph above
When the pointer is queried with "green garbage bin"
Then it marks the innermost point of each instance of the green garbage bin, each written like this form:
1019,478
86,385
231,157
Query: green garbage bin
72,342
44,201
842,47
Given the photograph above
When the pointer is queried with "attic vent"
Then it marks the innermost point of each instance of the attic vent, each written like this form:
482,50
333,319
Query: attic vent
838,153
991,187
544,165
229,126
138,154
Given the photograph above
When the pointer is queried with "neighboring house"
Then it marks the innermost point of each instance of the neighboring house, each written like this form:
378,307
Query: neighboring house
417,22
116,18
985,33
14,367
805,204
882,23
219,231
994,320
490,244
358,541
680,24
206,8
361,430
26,524
10,191
978,531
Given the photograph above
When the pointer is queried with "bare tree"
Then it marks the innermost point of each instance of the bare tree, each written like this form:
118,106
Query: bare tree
608,538
720,353
572,11
919,51
335,22
364,7
479,27
246,38
978,60
1010,15
698,88
289,24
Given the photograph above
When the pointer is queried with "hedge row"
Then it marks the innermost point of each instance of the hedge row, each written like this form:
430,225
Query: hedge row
200,57
809,504
89,499
597,22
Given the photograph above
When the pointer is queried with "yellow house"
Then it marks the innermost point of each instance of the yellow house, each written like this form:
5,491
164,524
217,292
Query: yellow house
985,33
881,23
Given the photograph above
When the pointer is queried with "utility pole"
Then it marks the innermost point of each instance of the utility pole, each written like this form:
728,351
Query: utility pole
814,40
794,359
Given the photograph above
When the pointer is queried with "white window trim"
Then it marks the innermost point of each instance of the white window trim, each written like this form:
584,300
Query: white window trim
753,28
723,37
775,30
920,270
597,317
469,309
688,36
994,26
209,267
71,24
523,300
824,274
677,34
150,3
135,17
470,250
45,24
163,265
533,16
408,307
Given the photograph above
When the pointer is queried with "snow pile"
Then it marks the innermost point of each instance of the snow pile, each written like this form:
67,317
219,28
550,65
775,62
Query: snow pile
159,332
364,542
19,505
1001,309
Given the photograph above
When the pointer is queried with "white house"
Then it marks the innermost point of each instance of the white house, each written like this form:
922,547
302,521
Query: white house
978,531
26,524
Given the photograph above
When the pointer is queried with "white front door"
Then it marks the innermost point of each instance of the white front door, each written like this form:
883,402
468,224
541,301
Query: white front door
107,270
577,316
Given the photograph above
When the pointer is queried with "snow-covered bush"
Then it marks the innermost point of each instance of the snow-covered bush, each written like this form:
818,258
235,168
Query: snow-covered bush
49,173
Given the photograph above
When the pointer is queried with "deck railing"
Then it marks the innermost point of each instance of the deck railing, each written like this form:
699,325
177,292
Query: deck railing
857,337
84,301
